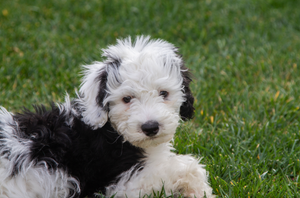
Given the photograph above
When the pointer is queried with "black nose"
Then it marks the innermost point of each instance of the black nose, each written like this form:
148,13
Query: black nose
150,128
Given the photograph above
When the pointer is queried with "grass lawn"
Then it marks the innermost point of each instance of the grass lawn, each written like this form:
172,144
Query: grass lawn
244,54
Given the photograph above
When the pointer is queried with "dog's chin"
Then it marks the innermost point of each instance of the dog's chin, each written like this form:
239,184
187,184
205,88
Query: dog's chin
148,142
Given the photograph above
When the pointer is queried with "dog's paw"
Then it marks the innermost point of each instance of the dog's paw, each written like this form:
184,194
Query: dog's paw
193,194
197,194
193,181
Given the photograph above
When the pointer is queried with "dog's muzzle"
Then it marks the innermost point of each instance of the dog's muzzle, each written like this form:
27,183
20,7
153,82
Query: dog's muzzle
150,128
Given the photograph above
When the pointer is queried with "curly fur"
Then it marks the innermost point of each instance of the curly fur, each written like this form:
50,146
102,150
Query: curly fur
114,138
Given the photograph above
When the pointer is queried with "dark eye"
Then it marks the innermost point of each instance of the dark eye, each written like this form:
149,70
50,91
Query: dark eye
164,94
126,99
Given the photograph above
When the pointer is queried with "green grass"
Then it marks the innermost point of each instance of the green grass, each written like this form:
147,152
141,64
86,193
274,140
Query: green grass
244,54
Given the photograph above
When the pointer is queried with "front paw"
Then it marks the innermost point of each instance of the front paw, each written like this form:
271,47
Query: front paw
194,182
193,194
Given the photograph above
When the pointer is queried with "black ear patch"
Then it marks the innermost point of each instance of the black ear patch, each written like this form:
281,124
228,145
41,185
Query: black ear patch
102,93
102,89
187,109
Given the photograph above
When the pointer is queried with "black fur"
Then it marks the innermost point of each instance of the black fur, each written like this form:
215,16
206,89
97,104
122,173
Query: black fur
103,81
102,89
94,157
187,108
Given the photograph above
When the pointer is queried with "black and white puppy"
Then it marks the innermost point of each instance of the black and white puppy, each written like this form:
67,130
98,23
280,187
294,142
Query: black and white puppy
114,138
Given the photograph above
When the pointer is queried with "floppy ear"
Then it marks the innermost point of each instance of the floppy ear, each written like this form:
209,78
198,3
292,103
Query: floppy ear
187,108
93,91
91,95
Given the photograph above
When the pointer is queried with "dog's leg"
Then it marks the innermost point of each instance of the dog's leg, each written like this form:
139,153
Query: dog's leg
191,177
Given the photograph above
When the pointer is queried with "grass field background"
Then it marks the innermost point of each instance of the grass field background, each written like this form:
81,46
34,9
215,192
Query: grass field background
244,55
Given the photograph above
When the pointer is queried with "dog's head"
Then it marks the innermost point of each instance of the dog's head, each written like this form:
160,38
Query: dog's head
142,88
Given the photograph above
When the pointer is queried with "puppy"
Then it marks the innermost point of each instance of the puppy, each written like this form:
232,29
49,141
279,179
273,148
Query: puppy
114,138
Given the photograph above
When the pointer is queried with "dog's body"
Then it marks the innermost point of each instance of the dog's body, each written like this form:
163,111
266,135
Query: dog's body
114,138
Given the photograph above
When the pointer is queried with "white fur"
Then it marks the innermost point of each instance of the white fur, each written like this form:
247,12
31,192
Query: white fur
176,173
146,68
92,114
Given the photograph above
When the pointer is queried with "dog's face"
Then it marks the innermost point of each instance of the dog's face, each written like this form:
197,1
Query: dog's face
142,88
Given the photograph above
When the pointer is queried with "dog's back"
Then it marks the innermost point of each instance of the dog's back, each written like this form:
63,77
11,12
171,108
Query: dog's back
43,156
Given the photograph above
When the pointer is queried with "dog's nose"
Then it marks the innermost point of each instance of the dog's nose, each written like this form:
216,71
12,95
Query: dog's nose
150,128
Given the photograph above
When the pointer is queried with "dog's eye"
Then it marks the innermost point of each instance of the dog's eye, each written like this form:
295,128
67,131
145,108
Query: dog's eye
164,94
126,99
